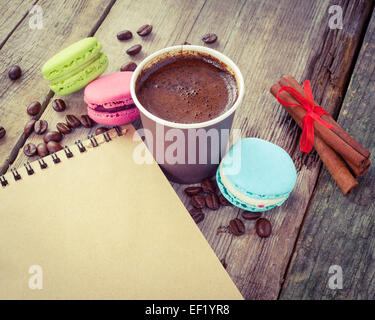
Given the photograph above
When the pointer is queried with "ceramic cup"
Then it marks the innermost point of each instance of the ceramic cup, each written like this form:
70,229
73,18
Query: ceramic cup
187,153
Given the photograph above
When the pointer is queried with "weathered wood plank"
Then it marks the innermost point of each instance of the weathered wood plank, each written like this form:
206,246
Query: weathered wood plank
172,21
341,230
12,12
30,49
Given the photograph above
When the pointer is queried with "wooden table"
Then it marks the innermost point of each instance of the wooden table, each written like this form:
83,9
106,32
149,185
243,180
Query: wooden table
317,227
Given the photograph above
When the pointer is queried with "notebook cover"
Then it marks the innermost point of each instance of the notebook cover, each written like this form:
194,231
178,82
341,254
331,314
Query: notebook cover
101,226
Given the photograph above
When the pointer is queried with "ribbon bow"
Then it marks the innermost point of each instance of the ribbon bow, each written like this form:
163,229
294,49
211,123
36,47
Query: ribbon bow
313,113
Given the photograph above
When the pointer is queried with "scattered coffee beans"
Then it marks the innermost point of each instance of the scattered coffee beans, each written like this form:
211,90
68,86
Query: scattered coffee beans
208,186
100,130
196,214
42,149
193,191
124,35
53,146
63,128
144,30
72,121
130,66
52,136
58,105
248,215
29,127
223,201
2,132
212,201
34,108
198,201
29,149
15,73
134,50
86,121
40,126
209,38
236,227
263,228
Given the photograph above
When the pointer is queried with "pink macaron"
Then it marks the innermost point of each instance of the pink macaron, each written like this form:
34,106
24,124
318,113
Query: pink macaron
109,101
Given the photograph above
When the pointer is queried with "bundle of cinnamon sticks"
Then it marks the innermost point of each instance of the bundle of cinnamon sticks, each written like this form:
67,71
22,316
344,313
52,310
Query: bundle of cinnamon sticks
343,156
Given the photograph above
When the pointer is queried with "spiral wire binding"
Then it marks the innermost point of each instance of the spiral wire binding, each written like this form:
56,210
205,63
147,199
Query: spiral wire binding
93,141
69,154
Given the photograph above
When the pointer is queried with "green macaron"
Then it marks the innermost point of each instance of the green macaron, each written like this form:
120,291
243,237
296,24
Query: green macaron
75,66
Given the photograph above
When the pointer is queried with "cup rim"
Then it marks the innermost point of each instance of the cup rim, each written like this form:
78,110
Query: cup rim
202,49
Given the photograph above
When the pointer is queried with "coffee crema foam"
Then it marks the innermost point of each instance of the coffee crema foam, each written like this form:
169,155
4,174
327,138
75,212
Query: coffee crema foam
187,88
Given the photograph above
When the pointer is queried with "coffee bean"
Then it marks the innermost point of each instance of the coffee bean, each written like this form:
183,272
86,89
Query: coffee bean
86,121
130,66
72,121
42,149
209,38
58,105
52,136
29,149
40,126
223,201
34,108
198,202
212,201
208,186
2,132
236,227
193,191
53,146
248,215
134,50
100,130
29,127
263,228
15,73
63,128
186,43
124,35
196,214
144,30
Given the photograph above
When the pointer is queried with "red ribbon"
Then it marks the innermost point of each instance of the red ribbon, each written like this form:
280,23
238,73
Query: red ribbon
313,113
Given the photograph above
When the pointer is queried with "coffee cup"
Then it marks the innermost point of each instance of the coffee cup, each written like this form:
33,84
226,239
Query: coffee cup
187,152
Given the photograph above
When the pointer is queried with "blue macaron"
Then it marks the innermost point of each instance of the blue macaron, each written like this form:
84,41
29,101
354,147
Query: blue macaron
256,175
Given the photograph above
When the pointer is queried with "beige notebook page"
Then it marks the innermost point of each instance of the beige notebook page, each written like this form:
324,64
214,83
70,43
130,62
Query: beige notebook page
101,226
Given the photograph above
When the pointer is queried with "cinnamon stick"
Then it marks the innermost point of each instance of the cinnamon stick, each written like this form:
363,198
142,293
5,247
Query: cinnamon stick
330,138
359,172
328,118
331,160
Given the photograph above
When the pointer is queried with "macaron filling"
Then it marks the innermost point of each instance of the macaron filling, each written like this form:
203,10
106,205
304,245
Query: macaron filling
260,203
123,107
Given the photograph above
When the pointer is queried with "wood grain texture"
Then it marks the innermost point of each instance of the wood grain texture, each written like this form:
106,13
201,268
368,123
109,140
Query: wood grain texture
266,39
12,13
341,230
139,13
265,49
30,49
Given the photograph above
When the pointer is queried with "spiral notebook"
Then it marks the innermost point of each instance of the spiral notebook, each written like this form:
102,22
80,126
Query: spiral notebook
88,222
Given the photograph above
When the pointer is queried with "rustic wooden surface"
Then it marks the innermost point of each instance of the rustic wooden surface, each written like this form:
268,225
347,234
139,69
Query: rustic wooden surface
265,38
340,230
